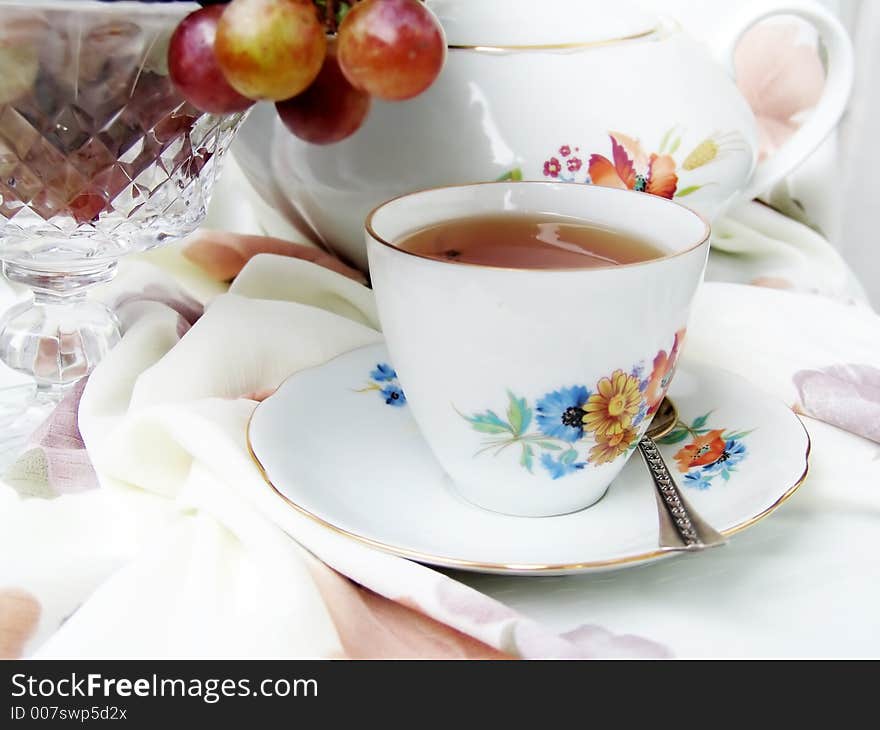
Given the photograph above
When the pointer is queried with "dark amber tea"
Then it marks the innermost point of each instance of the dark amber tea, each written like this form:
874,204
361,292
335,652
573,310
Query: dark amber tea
529,241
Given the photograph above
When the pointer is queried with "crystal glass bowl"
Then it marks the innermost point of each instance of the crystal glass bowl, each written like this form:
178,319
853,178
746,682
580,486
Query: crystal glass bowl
99,157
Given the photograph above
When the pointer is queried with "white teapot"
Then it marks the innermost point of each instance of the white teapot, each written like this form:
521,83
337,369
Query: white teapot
581,91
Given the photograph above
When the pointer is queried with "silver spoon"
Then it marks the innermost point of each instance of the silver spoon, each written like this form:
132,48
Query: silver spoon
681,528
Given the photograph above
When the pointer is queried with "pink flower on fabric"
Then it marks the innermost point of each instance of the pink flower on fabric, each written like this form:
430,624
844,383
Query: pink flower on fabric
527,639
460,600
846,396
565,150
68,466
172,296
19,618
780,76
222,255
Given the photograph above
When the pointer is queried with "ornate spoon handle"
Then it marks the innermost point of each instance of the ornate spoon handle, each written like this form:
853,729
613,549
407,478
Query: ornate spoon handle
681,528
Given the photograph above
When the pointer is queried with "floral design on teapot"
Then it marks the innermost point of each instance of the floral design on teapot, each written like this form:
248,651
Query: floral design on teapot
630,167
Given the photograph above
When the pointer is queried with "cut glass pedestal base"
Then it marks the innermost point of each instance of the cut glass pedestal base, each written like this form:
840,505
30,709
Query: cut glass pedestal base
56,338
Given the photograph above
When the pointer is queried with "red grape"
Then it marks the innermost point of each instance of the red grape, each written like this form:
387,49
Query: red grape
392,49
193,67
330,110
270,49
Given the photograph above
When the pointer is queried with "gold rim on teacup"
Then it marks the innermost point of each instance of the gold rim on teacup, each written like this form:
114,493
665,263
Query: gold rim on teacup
368,225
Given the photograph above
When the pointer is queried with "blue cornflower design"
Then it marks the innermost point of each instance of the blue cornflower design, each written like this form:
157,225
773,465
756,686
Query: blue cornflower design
640,416
698,479
734,453
384,382
383,373
393,395
564,464
560,414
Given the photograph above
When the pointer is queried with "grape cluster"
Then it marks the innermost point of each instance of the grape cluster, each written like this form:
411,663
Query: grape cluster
223,58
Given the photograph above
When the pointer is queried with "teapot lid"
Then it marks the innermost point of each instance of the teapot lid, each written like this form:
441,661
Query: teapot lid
532,23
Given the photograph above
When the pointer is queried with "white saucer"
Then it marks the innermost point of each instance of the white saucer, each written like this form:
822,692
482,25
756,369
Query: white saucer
338,446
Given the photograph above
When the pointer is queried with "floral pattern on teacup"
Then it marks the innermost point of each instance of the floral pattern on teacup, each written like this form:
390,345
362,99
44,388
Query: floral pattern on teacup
631,168
712,452
662,370
575,427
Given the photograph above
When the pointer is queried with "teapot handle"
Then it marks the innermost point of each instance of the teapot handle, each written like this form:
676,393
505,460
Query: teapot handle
826,114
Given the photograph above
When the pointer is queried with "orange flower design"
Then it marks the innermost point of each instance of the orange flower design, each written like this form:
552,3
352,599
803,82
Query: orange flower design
664,367
631,169
706,449
609,448
611,410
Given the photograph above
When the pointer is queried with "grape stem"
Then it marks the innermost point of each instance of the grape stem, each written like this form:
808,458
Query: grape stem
330,15
331,12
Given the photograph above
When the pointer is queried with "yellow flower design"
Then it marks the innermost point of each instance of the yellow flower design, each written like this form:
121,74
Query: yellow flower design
710,149
611,410
609,448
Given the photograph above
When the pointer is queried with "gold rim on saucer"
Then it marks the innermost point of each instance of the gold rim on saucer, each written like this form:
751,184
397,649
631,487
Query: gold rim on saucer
513,568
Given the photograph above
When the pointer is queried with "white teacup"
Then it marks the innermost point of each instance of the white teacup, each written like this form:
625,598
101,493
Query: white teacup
532,387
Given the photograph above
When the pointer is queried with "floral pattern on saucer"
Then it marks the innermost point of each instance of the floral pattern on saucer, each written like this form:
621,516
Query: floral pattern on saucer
568,429
389,491
711,453
383,380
